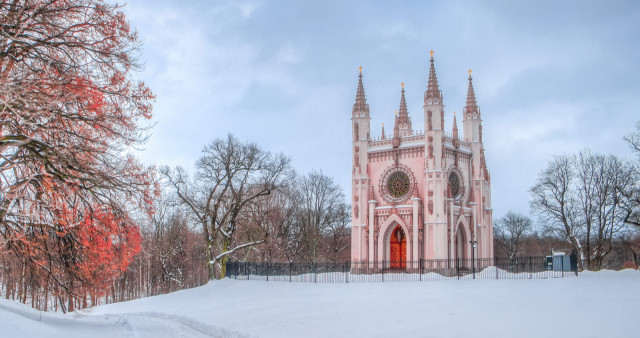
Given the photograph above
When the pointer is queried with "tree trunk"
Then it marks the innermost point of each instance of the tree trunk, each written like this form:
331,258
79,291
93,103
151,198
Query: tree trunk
70,303
224,259
211,269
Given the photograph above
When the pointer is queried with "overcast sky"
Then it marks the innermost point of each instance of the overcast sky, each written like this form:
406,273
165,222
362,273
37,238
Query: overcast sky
550,77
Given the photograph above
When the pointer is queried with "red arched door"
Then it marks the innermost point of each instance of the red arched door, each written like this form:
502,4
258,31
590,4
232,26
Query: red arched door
398,248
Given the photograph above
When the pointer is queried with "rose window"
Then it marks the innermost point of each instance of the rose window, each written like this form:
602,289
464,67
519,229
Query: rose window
454,185
398,184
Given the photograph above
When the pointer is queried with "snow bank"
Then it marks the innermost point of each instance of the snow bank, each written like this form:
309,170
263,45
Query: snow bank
610,273
602,304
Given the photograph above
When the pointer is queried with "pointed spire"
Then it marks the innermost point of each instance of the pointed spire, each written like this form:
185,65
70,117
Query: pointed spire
472,106
403,113
383,137
361,105
455,127
396,126
403,116
456,142
396,133
433,91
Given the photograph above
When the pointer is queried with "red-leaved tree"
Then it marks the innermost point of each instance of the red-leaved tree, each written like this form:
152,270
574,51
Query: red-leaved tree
69,109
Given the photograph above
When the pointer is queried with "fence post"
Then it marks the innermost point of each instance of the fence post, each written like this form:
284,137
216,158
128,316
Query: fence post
346,272
530,267
473,265
290,267
315,272
420,268
562,271
267,271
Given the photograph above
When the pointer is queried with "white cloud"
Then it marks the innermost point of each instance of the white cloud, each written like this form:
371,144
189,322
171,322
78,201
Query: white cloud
283,74
246,8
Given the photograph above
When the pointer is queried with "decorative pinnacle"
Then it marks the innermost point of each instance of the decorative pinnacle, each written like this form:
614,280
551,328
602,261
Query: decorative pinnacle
403,114
455,124
433,91
396,112
471,106
396,133
455,130
469,71
360,69
361,100
431,53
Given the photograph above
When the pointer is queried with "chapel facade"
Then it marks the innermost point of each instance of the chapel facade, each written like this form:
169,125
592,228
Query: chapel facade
420,195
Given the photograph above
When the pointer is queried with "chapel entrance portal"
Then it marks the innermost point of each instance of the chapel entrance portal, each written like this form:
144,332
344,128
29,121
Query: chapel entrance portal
398,248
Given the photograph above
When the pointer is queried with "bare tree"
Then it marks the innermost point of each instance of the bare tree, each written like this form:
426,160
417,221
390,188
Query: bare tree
305,222
634,138
631,201
579,198
511,231
338,237
230,176
320,201
277,217
555,201
291,230
630,242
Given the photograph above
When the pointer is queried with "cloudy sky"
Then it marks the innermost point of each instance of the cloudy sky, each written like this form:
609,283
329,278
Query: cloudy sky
550,77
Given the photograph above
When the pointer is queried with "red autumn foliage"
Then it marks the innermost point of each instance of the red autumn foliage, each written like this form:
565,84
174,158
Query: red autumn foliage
69,108
108,245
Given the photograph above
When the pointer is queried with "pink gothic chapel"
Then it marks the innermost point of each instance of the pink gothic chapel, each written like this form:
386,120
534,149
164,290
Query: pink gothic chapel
420,195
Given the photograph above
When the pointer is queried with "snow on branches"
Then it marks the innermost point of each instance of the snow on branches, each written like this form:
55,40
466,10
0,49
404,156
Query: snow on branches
69,108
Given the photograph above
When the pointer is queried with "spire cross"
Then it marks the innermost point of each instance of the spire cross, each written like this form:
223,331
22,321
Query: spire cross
431,52
396,113
469,71
360,69
402,84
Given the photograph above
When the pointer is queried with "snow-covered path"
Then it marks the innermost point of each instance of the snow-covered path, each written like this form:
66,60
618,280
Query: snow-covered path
17,320
604,304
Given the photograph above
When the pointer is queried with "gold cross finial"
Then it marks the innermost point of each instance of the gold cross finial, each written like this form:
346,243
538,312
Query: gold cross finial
360,69
402,84
469,72
383,125
431,52
396,112
454,114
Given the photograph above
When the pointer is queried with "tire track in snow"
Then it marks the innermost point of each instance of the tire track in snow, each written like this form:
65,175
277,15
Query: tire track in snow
190,324
156,324
131,331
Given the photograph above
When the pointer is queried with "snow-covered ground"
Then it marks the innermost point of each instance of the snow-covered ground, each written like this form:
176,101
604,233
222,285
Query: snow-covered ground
603,304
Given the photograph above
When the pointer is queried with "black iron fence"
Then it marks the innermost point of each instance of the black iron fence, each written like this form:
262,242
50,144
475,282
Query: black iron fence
422,270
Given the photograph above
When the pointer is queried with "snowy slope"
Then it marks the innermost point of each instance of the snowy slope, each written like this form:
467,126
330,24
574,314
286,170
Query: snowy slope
604,304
